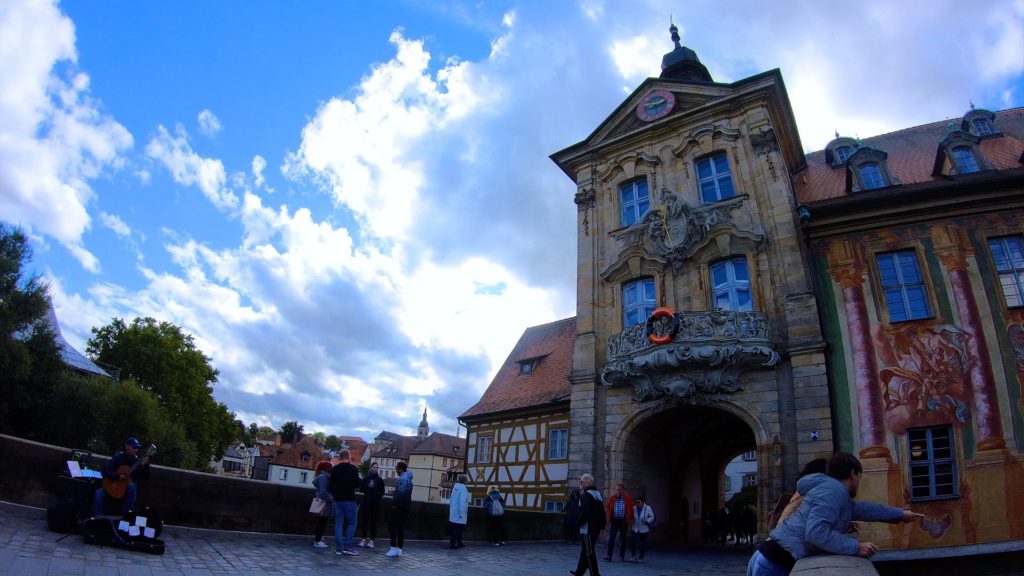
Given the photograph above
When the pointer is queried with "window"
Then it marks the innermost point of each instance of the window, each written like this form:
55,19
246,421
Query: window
842,153
750,480
446,493
483,449
727,483
965,162
731,285
552,506
284,474
634,201
231,466
305,457
526,366
932,465
478,502
638,299
906,296
750,456
303,476
714,178
982,127
871,177
558,444
1008,255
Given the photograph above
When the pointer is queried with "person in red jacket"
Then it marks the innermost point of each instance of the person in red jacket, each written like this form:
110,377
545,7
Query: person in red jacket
620,512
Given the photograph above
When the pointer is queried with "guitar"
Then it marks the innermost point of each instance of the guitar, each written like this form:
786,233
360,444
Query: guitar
116,488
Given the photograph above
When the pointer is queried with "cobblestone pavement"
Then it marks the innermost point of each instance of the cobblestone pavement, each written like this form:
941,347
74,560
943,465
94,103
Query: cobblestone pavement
27,548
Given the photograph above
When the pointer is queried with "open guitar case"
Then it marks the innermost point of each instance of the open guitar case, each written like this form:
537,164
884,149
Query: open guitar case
139,531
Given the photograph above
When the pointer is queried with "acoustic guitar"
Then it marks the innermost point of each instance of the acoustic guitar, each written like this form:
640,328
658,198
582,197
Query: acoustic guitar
116,488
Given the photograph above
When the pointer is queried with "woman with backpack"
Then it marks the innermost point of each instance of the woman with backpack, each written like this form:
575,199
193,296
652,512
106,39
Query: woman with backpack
494,505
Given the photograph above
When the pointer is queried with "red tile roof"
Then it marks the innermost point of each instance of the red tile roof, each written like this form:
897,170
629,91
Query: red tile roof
293,456
356,447
551,345
911,156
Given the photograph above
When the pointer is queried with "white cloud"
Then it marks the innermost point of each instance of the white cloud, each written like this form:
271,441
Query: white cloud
53,138
115,224
259,164
209,124
188,168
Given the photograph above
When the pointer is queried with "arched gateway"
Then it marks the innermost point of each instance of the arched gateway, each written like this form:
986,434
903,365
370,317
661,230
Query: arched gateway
697,329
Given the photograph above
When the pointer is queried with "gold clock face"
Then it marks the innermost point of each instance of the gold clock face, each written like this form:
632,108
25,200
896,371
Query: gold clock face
656,104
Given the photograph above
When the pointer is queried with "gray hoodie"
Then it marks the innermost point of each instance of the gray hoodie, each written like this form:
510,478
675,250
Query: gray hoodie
823,518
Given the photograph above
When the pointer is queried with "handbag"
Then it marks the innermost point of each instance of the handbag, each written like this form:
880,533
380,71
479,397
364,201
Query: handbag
317,506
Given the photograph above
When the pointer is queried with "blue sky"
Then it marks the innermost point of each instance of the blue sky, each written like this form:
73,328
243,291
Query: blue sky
350,205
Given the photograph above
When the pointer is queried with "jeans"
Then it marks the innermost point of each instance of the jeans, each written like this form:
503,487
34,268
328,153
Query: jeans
98,500
639,542
344,515
761,566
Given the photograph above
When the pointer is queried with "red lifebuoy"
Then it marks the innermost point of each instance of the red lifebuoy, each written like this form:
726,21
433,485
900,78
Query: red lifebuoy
655,336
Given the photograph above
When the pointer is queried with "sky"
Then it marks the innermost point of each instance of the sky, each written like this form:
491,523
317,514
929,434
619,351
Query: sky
350,205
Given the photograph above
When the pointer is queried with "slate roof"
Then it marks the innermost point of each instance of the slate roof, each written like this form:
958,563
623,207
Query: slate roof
292,456
911,156
442,445
551,345
400,448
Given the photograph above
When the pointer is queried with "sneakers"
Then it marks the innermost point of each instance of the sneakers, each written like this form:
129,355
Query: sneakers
349,551
320,544
394,551
369,543
362,543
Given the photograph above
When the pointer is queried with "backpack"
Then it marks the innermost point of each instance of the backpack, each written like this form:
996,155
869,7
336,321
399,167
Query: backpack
496,508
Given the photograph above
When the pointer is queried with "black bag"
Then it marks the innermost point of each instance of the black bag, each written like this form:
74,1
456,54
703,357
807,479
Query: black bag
103,531
61,517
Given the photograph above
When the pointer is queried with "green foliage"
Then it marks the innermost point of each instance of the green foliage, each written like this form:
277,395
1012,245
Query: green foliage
291,431
160,359
332,442
364,468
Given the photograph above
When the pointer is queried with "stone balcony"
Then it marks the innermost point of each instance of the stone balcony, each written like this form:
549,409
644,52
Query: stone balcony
704,356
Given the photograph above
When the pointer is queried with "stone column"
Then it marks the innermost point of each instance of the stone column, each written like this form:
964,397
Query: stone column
847,270
953,252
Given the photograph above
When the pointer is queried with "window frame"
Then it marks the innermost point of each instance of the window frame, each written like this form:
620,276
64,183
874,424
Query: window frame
871,177
960,155
481,440
931,461
1016,273
303,476
644,305
843,153
637,207
902,286
715,178
282,474
981,127
554,506
732,286
562,444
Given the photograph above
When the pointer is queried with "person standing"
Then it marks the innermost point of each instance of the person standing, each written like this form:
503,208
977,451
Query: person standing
591,526
322,481
372,488
572,515
400,505
495,507
821,522
458,512
643,518
343,483
620,513
124,468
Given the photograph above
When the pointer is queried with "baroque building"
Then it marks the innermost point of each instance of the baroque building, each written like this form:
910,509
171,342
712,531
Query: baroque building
697,330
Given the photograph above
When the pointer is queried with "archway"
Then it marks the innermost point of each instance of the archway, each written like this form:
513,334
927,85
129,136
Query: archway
675,458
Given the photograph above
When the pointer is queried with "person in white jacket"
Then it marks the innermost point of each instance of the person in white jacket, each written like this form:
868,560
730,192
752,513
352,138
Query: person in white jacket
458,511
643,519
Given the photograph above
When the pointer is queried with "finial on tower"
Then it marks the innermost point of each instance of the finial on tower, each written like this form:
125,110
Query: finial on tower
837,133
971,101
674,31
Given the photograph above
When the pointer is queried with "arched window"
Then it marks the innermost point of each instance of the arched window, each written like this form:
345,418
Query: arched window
634,201
638,301
730,284
965,161
871,176
982,127
715,178
842,153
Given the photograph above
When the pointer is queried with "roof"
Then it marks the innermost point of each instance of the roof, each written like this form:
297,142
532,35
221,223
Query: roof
356,447
385,435
292,456
400,448
911,156
71,357
551,345
442,445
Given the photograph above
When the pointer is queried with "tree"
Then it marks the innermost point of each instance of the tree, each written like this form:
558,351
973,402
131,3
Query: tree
161,359
30,364
291,432
332,442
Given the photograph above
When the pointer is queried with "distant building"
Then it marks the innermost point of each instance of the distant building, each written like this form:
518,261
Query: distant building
434,459
237,461
518,433
294,466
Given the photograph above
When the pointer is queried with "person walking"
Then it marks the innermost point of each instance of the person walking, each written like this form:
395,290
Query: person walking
322,482
620,515
372,488
458,511
643,519
344,480
494,504
400,505
591,526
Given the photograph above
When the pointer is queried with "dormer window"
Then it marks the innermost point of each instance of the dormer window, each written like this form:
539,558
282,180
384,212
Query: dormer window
979,123
842,153
959,153
868,169
981,127
871,177
964,158
527,366
839,150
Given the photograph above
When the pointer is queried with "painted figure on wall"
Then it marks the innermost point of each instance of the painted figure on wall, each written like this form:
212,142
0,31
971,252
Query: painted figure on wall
924,381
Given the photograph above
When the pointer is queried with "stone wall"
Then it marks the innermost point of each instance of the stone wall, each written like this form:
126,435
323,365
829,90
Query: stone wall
201,500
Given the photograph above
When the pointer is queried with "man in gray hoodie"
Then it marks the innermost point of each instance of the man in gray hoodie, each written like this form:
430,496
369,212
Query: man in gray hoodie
821,523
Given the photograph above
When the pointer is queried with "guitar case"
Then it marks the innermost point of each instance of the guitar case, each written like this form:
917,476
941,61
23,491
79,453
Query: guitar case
105,531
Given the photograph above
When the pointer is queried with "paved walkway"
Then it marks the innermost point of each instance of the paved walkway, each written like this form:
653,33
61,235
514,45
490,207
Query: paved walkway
27,548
